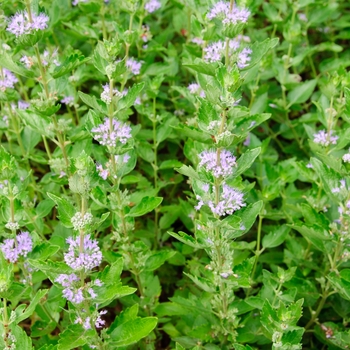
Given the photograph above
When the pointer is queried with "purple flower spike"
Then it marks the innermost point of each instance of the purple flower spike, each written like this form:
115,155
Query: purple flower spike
20,246
88,258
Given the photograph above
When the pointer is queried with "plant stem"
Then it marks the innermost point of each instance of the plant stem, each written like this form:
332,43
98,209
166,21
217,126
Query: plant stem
258,242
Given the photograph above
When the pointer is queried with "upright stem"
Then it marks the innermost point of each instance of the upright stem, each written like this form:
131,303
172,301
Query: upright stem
258,242
155,172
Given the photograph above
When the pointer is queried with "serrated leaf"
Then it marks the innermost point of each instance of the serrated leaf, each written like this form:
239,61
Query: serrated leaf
132,331
276,237
157,259
245,161
129,99
73,337
91,101
70,63
7,62
65,209
28,311
146,205
301,93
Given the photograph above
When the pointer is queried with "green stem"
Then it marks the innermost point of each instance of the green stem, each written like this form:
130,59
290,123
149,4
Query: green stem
258,242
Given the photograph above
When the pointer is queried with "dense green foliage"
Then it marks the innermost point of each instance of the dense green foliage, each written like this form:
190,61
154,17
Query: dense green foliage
174,174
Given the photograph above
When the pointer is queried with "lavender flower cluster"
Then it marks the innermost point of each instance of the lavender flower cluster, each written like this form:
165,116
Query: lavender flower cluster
109,135
325,138
228,15
8,80
230,200
20,24
152,5
133,65
86,258
222,166
215,51
20,246
106,95
195,89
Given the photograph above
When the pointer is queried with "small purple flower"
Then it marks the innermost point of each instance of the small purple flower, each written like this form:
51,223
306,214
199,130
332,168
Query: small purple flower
346,158
196,89
27,61
67,280
106,95
152,5
102,172
214,51
88,258
20,246
107,136
222,11
99,323
198,41
230,200
324,138
23,105
21,25
8,80
243,58
67,100
218,167
133,65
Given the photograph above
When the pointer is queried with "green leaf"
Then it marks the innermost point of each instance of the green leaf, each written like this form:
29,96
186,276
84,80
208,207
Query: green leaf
301,93
22,340
132,331
245,161
188,171
157,259
126,315
276,237
202,283
248,216
107,293
170,164
7,62
36,122
187,239
73,337
201,66
91,101
206,114
146,205
341,283
194,133
28,311
129,99
329,177
65,209
70,63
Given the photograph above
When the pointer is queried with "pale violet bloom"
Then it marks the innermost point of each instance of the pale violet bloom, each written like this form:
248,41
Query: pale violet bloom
107,136
102,172
198,41
230,200
67,100
106,96
20,246
152,5
218,167
87,258
325,138
80,221
7,80
235,15
133,65
195,89
346,157
20,24
243,58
